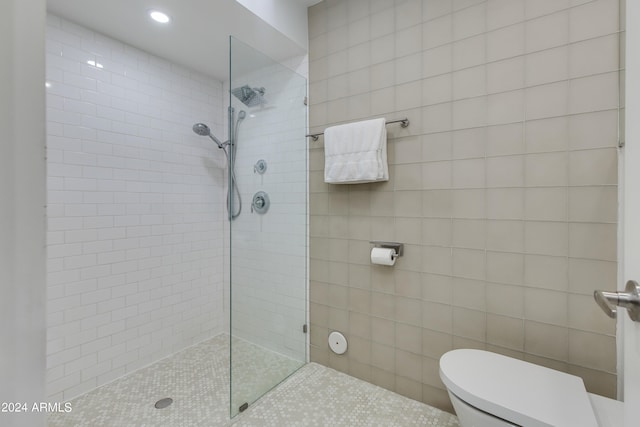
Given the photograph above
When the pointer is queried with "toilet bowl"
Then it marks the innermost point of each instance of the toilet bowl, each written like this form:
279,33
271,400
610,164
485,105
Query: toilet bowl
491,390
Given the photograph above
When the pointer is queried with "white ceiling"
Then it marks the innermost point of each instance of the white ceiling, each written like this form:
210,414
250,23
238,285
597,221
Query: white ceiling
197,36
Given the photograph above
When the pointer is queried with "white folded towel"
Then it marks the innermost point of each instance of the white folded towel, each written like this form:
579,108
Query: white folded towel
356,152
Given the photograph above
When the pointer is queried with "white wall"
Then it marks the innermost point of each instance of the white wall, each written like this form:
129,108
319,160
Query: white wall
135,209
287,16
22,198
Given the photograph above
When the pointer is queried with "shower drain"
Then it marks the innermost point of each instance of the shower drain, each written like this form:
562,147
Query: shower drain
163,403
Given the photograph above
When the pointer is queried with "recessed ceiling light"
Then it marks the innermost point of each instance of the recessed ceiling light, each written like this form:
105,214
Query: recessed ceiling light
47,84
160,17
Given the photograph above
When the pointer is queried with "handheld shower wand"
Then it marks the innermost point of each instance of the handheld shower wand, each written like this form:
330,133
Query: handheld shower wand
204,130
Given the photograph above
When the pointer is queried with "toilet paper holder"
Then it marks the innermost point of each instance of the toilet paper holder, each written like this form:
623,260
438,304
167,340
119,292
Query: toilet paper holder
398,248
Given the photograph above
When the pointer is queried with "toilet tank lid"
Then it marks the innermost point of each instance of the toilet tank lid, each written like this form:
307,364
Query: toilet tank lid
517,391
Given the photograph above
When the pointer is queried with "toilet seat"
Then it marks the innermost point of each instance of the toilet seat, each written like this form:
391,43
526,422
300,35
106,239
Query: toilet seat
517,391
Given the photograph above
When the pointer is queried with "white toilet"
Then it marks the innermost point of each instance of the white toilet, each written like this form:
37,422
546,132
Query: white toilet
492,390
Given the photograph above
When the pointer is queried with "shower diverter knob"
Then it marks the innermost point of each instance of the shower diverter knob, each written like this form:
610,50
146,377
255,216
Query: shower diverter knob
260,167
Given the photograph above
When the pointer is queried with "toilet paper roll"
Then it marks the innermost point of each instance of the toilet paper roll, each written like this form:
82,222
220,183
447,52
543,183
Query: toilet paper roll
382,256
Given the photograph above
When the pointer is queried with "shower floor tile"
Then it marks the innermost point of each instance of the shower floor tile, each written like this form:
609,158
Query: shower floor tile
197,379
319,396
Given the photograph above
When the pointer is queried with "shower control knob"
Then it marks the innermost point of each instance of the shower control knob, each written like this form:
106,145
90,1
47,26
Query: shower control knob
260,203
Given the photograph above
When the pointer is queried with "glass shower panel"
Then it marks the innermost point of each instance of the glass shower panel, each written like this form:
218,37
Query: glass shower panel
268,223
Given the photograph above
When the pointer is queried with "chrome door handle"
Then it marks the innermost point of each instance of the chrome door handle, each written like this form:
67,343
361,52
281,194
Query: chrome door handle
630,299
603,298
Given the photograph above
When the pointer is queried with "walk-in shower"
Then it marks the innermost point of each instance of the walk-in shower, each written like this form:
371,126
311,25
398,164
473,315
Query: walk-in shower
267,265
146,269
268,246
233,193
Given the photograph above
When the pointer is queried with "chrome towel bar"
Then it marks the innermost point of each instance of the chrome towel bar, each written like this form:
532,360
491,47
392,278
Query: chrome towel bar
404,123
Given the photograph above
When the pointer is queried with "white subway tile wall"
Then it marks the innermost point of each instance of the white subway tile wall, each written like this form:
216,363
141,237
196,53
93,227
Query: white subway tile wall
503,189
135,209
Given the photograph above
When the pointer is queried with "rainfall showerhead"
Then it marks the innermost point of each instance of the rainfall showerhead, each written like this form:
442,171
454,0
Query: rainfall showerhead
250,96
203,130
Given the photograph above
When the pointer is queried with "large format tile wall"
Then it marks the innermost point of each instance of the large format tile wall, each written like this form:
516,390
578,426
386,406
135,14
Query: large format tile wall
135,209
503,188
